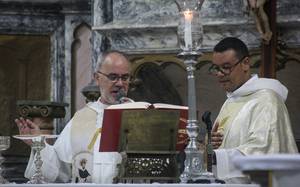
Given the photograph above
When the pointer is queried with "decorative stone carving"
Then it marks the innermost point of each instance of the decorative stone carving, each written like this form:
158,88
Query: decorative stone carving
29,108
41,112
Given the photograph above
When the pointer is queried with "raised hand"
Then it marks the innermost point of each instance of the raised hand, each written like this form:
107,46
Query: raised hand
27,127
216,137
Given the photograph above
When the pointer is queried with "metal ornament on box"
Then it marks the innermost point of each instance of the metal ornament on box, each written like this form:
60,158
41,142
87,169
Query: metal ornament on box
147,142
190,36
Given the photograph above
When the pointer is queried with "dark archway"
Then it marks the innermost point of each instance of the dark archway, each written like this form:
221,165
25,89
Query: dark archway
152,85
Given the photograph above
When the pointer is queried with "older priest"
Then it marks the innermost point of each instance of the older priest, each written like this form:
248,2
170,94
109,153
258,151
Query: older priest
78,144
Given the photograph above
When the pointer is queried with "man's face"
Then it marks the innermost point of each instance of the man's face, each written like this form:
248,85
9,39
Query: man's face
113,77
232,72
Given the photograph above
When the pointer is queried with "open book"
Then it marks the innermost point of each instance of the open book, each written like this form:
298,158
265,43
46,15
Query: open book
146,105
141,126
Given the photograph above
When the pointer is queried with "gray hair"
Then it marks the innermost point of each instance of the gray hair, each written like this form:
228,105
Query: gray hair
102,58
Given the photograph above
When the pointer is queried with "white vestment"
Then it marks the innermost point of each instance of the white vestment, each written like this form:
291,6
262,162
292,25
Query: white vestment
71,149
254,120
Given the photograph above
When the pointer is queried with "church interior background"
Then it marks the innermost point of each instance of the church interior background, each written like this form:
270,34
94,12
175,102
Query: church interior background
48,51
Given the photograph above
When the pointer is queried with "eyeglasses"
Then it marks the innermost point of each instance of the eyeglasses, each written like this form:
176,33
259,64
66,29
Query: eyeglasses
225,70
115,77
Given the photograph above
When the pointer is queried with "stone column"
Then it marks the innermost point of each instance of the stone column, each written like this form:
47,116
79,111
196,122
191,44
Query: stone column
101,14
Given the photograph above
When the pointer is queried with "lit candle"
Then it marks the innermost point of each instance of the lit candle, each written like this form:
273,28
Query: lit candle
188,16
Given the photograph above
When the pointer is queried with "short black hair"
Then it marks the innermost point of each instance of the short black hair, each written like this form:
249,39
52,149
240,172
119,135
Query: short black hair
240,48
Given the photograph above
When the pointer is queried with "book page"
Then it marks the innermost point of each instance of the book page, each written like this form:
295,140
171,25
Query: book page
169,106
134,105
145,105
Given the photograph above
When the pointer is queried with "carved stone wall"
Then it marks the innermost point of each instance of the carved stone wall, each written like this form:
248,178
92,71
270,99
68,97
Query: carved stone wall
143,26
24,73
81,69
55,21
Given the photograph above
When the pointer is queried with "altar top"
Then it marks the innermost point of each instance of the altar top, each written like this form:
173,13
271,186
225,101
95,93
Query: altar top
128,185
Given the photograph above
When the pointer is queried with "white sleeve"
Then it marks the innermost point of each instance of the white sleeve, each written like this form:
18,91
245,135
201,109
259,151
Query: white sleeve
56,159
226,170
63,146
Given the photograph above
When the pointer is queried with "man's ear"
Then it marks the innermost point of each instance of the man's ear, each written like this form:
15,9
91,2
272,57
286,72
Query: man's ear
246,64
97,78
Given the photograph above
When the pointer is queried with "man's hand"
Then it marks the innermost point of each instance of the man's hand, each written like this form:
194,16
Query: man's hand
216,137
27,127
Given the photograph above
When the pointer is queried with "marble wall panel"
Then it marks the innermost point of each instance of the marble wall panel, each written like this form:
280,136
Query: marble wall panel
288,7
136,24
137,39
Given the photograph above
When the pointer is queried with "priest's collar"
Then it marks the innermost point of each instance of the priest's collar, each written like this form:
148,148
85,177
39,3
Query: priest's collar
97,105
255,83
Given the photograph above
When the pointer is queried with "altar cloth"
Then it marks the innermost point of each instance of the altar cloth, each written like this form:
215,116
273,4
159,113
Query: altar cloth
282,169
274,162
128,185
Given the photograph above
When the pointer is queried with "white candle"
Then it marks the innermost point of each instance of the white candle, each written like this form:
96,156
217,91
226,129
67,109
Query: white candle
188,16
